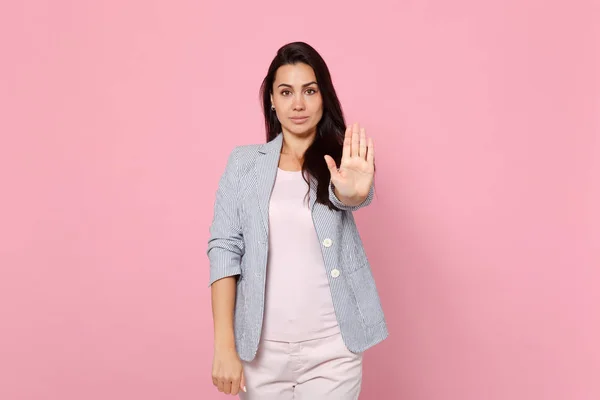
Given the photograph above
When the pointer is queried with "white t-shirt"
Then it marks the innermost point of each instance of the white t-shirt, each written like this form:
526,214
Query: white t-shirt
298,303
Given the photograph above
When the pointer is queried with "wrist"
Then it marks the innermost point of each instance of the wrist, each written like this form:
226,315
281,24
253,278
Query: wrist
349,201
224,341
225,348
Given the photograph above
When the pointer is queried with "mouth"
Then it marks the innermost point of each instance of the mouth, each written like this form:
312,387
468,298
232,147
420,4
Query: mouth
299,120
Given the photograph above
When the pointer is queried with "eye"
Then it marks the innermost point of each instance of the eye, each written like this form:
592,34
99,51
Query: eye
311,90
284,92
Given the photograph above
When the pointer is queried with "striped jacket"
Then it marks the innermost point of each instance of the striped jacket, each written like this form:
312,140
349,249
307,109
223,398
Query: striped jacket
238,245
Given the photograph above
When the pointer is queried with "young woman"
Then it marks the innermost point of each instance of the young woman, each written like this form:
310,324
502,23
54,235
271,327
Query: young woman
293,297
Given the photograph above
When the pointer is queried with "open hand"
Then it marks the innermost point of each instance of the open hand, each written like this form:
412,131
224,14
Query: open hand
354,177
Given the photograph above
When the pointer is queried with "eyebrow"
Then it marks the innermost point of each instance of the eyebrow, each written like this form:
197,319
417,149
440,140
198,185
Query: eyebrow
305,85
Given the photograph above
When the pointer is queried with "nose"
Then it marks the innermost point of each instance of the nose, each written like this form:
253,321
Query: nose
298,103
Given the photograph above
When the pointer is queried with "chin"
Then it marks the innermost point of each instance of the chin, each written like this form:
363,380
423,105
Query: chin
301,130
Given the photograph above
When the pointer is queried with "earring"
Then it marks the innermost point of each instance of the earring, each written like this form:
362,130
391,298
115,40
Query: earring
272,107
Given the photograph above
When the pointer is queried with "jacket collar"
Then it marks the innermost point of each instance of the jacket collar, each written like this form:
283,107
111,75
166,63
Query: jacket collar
273,145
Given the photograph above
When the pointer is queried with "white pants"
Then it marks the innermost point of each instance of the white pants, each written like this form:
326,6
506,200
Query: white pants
309,370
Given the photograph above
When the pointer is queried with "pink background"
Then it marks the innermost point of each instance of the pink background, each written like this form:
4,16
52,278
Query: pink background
116,121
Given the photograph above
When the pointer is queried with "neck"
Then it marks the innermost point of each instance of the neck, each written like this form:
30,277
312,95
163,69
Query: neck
296,144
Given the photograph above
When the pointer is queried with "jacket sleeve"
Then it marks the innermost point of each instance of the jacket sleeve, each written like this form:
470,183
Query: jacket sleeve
333,198
226,244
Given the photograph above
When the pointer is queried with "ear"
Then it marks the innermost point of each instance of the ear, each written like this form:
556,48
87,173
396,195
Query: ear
272,98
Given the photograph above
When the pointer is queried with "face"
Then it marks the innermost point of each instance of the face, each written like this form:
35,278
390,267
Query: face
297,99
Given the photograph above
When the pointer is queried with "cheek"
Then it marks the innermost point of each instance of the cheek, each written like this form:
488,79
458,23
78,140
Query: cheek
316,105
318,109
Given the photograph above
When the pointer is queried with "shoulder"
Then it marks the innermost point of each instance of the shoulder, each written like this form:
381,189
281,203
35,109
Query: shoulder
245,156
247,150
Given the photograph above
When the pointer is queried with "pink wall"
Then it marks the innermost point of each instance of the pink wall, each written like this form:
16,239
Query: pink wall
116,121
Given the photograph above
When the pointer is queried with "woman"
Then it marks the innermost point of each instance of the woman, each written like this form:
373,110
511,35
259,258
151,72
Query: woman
293,297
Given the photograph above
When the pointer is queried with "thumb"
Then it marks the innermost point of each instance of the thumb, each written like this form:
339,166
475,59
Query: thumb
243,382
331,165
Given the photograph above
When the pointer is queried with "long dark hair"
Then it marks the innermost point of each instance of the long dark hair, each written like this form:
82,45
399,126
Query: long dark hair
330,129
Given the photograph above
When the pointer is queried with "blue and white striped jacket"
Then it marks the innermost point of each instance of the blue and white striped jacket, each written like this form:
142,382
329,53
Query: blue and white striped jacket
238,245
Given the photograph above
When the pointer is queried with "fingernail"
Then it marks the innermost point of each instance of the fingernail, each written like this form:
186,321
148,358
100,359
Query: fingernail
245,389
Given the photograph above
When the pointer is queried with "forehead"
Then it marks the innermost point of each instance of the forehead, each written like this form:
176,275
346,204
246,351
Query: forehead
294,74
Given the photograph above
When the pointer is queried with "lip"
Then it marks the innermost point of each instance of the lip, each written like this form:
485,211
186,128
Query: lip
299,120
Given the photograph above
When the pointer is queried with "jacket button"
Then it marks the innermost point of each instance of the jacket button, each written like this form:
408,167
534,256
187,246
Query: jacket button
327,242
335,272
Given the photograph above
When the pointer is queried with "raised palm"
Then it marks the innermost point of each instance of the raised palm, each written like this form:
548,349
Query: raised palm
355,175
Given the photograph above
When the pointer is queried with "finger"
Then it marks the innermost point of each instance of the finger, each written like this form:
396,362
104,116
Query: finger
362,152
347,143
235,386
355,140
371,152
220,384
236,383
227,387
331,165
243,382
